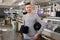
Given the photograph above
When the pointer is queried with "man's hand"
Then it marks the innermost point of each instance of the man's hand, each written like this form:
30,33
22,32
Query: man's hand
37,37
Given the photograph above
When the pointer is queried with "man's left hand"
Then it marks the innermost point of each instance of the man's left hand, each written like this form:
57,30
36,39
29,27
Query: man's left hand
37,37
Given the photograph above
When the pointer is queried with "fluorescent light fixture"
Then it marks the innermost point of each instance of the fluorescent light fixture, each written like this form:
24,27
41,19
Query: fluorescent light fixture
21,3
11,8
0,0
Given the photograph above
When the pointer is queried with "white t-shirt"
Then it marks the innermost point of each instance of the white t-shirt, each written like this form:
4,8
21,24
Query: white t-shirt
29,21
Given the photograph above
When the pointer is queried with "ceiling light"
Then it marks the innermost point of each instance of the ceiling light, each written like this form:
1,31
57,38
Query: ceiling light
21,3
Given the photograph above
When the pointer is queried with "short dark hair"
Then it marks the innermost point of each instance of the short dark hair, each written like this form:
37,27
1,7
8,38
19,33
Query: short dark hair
28,3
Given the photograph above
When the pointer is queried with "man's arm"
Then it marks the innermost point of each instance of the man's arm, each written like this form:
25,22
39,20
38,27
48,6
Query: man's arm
37,35
41,22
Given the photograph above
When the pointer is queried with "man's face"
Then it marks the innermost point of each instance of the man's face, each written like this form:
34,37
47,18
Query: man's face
28,8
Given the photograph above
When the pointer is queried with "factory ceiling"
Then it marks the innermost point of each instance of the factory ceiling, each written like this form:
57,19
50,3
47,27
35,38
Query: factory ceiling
10,2
15,2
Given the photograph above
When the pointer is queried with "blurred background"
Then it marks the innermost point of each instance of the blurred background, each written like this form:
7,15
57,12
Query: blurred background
12,11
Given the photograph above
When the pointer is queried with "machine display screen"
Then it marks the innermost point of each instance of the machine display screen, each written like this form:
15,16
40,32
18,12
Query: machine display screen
57,13
40,12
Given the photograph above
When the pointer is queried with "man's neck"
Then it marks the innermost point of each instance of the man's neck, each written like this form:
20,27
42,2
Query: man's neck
29,13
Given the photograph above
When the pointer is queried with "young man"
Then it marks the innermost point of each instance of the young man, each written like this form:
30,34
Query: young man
29,19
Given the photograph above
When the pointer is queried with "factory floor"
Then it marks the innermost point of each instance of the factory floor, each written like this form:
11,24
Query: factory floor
6,33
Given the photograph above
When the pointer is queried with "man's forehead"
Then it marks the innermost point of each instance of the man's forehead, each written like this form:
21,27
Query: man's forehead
28,6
